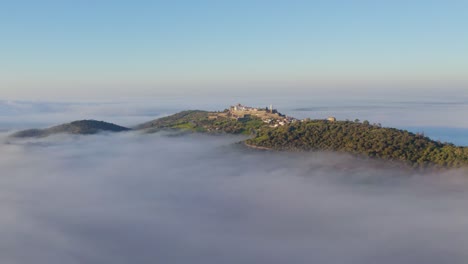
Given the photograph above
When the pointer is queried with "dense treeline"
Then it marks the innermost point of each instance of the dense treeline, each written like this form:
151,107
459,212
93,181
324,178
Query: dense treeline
362,139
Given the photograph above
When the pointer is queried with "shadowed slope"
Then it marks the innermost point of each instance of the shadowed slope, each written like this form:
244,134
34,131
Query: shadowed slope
82,127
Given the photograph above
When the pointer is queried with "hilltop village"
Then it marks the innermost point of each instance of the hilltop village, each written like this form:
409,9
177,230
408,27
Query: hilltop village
268,115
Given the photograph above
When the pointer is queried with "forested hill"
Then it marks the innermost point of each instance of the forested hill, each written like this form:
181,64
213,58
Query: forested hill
82,127
362,139
357,138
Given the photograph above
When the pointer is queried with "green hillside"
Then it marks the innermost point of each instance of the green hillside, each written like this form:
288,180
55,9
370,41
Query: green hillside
362,139
357,138
203,121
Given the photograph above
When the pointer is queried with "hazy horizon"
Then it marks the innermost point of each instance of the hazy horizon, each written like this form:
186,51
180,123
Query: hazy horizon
109,49
199,198
439,118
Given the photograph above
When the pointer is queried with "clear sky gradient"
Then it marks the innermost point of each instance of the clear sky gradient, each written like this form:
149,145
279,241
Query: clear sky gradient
141,48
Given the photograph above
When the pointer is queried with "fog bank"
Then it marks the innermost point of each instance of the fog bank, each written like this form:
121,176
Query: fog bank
438,118
131,198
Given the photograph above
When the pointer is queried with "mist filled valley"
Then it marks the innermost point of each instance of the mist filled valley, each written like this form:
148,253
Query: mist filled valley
233,132
138,198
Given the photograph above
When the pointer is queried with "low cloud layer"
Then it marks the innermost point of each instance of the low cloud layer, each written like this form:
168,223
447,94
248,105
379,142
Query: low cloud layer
441,119
202,199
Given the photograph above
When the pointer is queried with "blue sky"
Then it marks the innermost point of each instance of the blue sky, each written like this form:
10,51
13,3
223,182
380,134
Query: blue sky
149,48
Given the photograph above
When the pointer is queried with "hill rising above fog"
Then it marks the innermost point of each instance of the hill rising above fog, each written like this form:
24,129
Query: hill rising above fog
362,139
82,127
271,130
359,138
